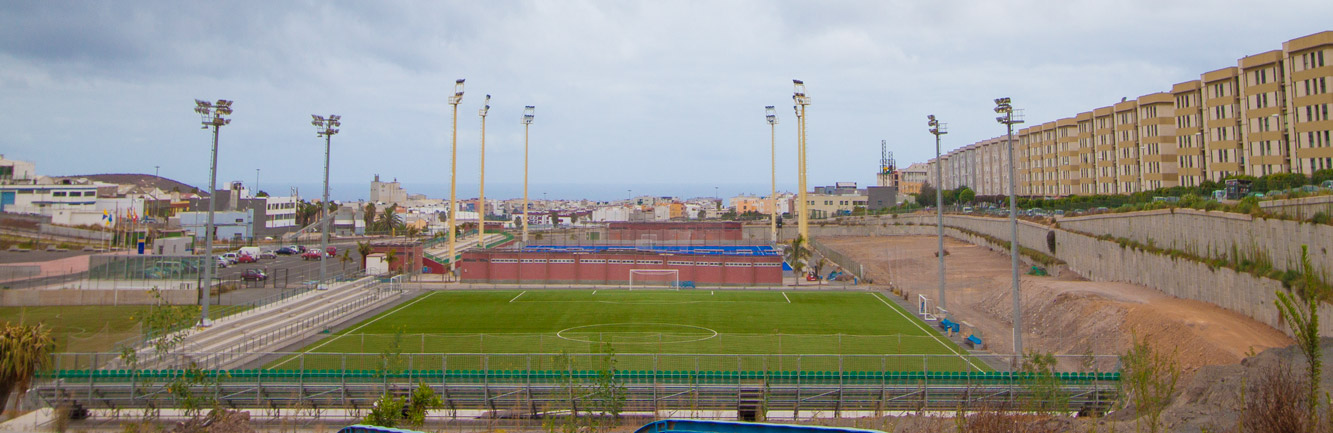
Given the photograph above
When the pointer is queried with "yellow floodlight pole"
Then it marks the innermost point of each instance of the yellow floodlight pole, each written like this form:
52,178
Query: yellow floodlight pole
453,178
481,195
528,112
801,101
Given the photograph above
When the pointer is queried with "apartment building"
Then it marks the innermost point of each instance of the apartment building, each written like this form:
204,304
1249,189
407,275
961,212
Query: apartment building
1267,114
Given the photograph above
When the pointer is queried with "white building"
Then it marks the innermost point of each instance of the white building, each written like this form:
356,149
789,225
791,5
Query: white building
611,214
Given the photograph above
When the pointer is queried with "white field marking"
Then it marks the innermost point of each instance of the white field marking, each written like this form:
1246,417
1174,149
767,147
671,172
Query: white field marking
784,296
931,334
594,292
710,293
363,325
516,297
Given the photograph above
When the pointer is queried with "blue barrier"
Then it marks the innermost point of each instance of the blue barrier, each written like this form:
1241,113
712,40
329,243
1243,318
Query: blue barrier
972,341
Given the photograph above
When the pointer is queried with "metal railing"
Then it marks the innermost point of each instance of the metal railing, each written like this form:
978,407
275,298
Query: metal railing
536,383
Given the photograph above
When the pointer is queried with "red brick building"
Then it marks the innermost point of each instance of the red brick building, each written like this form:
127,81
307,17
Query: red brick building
512,266
410,257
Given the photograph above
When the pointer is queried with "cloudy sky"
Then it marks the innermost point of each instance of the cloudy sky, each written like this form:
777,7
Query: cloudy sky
665,96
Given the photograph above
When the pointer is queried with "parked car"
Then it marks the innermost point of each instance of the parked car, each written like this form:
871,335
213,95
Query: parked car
249,251
223,262
333,251
310,255
268,254
231,258
254,274
246,258
286,251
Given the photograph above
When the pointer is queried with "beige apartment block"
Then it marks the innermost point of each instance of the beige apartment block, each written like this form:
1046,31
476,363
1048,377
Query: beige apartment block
1103,136
1309,62
1190,160
1023,160
1048,157
1157,141
1262,92
1087,156
1221,123
1066,148
1128,176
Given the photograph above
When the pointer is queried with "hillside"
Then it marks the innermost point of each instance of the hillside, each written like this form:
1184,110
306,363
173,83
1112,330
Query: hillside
144,180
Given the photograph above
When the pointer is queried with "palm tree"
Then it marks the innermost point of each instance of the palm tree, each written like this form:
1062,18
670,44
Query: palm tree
347,257
390,257
797,256
24,349
363,248
818,267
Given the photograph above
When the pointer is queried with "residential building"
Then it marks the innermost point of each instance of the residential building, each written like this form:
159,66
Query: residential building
387,192
911,178
1267,114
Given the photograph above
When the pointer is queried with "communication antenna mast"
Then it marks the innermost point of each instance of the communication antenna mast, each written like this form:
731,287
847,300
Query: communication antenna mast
886,163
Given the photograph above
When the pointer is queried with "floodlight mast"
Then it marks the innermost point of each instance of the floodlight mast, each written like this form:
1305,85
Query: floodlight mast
211,114
528,113
325,127
1006,110
453,179
481,195
771,115
801,100
938,129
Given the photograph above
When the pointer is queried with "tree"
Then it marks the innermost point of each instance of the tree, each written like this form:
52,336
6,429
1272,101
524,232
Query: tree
818,269
368,214
1303,319
24,349
1149,378
364,249
927,195
347,257
390,257
966,195
796,256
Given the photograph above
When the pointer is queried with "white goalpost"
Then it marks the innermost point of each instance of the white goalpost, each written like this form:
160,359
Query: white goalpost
655,278
923,309
646,242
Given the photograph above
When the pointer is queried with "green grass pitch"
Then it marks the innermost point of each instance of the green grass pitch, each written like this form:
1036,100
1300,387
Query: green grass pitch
643,329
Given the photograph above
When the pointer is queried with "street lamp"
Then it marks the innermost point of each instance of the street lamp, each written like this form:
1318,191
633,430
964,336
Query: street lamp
453,177
1007,117
771,115
528,112
938,129
325,127
212,115
481,199
801,100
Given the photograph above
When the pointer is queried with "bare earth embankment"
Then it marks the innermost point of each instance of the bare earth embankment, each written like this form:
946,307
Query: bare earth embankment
1062,314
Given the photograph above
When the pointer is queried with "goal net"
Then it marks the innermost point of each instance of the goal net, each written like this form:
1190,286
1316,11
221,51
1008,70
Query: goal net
654,278
923,308
646,242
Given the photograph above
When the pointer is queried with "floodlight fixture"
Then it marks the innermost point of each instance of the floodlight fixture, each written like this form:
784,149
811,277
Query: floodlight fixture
528,114
771,115
458,92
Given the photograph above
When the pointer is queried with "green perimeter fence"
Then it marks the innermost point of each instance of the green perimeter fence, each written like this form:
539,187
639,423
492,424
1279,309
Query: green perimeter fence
505,365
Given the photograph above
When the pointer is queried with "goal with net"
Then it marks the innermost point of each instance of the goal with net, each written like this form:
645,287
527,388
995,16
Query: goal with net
654,278
923,308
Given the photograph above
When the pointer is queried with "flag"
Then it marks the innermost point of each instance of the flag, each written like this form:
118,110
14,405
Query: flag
106,217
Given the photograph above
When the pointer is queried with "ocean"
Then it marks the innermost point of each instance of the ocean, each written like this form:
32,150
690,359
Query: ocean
598,192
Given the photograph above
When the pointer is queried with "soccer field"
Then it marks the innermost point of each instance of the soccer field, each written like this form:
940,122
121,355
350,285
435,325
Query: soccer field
645,329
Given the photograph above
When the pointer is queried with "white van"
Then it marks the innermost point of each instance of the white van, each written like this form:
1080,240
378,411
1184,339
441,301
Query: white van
250,251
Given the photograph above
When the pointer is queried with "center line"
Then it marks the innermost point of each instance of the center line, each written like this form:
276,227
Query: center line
784,296
516,297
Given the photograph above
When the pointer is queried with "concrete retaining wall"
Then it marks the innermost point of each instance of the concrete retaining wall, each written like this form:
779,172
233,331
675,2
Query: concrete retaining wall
1302,208
1215,234
41,298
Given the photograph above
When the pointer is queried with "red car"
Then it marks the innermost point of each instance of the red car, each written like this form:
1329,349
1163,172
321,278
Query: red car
245,258
333,251
311,255
254,275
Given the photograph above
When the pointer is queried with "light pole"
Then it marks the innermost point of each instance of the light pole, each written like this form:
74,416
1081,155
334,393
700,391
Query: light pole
481,199
453,177
939,129
256,184
325,127
1006,117
803,222
155,169
212,115
771,115
528,113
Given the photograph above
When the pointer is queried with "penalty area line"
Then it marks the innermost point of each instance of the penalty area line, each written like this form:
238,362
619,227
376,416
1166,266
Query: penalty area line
363,325
928,332
516,297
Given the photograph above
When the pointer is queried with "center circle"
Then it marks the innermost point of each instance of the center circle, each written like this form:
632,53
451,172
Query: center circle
636,333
